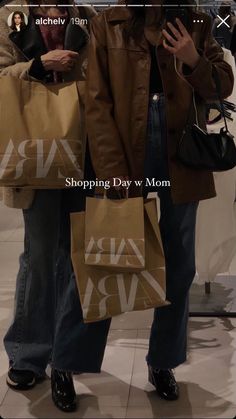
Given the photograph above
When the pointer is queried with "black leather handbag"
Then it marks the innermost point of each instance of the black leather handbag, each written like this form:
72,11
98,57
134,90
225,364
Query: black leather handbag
201,150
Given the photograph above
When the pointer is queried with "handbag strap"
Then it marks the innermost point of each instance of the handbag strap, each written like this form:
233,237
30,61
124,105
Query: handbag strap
219,95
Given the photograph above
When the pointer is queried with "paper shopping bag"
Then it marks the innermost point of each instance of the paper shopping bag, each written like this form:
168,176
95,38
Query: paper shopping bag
40,132
114,233
105,293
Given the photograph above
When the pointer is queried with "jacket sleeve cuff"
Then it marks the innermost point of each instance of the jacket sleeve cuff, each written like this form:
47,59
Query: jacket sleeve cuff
196,75
37,69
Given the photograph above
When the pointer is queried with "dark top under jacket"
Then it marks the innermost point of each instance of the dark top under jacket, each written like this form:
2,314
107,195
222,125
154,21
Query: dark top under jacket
155,77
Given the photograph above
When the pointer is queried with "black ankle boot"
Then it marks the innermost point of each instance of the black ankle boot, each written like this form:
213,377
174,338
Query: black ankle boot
63,392
165,383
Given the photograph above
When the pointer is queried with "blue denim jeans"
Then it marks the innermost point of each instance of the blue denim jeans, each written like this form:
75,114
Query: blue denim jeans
47,326
168,340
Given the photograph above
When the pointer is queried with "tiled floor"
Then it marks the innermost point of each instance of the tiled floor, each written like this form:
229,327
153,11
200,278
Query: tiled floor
207,380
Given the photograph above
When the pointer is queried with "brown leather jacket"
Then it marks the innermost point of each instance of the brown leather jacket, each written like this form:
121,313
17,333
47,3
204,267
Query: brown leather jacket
118,97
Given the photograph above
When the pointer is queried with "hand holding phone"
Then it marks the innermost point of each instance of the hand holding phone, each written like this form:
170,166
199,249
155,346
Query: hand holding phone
180,43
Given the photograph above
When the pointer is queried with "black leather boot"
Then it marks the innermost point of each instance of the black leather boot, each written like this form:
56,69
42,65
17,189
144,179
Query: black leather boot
63,392
165,383
21,379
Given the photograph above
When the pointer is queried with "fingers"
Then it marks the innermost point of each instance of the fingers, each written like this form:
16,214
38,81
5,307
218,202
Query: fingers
72,54
168,48
68,65
178,40
182,28
59,60
170,38
69,61
175,31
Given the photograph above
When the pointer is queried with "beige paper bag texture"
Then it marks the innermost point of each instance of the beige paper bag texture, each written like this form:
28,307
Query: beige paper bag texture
114,233
105,293
40,134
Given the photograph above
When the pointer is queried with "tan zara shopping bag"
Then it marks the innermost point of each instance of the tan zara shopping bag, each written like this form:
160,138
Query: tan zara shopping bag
105,293
40,133
114,233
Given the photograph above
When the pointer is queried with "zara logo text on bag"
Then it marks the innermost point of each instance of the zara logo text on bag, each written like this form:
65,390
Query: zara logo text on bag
126,298
39,159
114,250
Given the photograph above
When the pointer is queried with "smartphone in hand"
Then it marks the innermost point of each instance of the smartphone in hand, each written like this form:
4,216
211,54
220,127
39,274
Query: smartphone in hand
171,13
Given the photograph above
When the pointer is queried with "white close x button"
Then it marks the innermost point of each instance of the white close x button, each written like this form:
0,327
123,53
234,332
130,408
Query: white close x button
223,21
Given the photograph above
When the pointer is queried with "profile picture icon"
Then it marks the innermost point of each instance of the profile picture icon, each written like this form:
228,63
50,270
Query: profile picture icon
17,21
